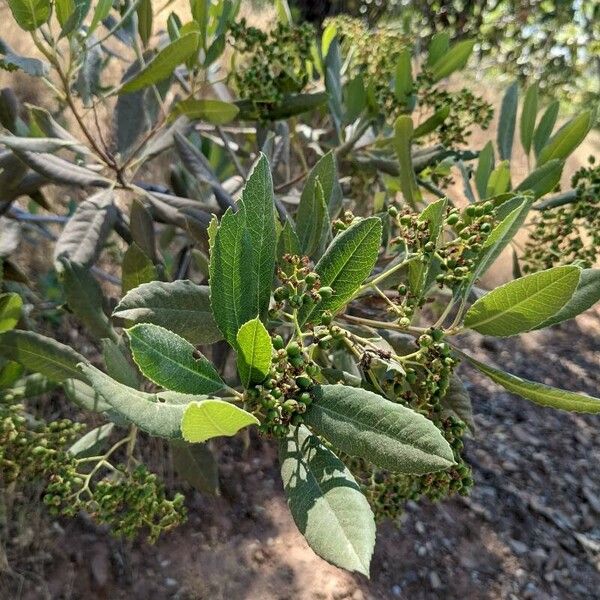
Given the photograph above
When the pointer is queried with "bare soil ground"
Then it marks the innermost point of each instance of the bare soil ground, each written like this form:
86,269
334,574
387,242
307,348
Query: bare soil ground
530,529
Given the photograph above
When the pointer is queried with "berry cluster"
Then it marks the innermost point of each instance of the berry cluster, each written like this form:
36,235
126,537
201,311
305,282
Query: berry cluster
274,61
284,396
569,233
126,501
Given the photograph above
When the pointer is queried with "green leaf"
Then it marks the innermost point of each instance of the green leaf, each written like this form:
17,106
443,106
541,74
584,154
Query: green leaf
10,311
325,170
144,14
457,402
438,47
326,502
485,166
288,243
216,112
181,306
85,298
403,82
100,13
30,14
508,118
197,465
528,114
76,17
391,436
242,261
585,296
84,396
355,98
345,265
29,386
403,134
567,138
544,395
453,59
40,354
523,304
254,352
163,64
432,123
312,221
543,179
171,362
290,106
158,414
11,60
213,418
92,442
136,269
10,373
118,364
545,126
499,180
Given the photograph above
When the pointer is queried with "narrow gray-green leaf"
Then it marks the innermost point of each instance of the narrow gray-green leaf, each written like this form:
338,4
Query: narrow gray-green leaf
567,138
391,436
523,304
35,144
197,465
118,364
326,502
438,46
92,442
453,59
84,396
541,394
544,179
403,134
325,170
457,402
216,112
11,60
508,118
172,362
181,306
312,220
136,269
528,114
254,352
40,354
545,126
345,265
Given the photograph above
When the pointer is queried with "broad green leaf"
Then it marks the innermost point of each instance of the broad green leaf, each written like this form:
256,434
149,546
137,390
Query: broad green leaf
181,306
10,311
403,134
528,114
544,179
197,465
391,436
403,82
137,268
85,298
545,126
485,166
312,221
567,138
216,112
118,364
454,58
170,361
86,232
438,47
158,414
40,354
163,64
585,296
499,180
30,14
92,442
523,304
254,352
242,261
325,170
326,502
539,393
432,123
213,418
345,265
508,118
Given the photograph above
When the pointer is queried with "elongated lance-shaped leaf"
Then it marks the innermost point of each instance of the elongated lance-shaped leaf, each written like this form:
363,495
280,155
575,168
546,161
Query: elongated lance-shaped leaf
345,265
567,138
541,394
86,232
216,112
40,354
403,81
211,418
158,414
59,170
438,46
586,295
325,170
197,465
181,306
485,166
543,131
136,269
92,442
172,362
254,352
85,298
326,502
312,221
403,134
525,303
391,436
453,59
35,144
84,396
508,119
528,114
163,64
10,310
242,261
543,179
118,364
432,123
